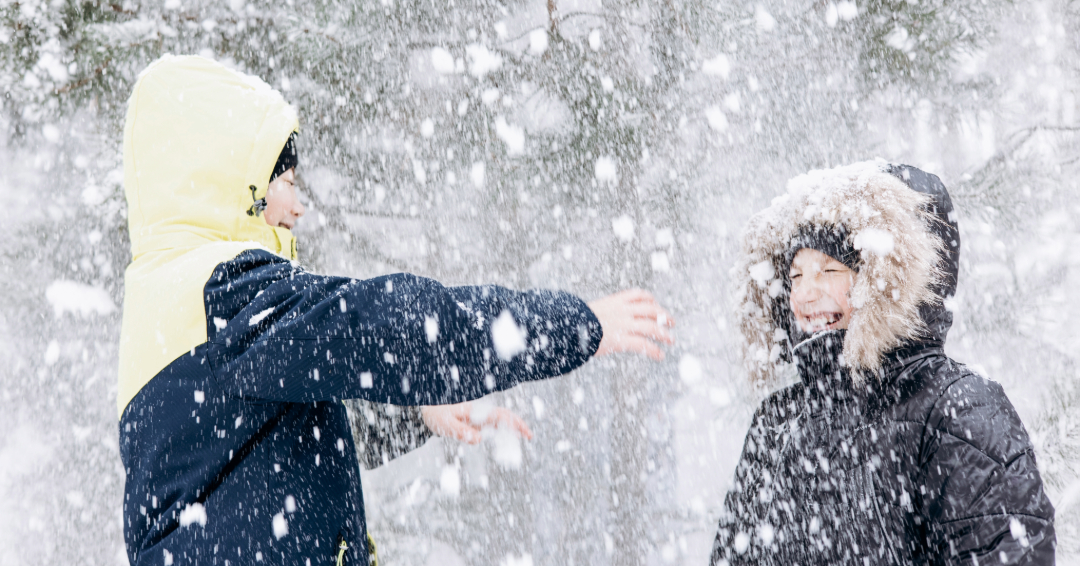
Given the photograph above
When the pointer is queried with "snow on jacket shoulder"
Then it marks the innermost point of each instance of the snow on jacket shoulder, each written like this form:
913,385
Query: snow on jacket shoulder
234,360
901,456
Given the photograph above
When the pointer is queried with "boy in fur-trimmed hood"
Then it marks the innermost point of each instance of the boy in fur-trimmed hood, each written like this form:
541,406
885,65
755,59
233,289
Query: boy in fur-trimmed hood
885,451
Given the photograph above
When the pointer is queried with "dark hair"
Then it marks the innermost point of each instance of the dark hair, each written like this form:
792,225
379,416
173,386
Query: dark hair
288,158
831,240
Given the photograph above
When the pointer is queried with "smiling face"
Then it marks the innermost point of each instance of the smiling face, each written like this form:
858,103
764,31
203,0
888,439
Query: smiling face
820,291
283,209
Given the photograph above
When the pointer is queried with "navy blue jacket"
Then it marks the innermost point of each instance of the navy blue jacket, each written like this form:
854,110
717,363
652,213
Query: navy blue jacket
240,452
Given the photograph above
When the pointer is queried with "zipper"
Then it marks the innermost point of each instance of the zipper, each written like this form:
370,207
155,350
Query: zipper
341,553
886,539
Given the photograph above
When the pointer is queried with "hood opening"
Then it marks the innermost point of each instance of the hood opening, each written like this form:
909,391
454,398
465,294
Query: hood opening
895,218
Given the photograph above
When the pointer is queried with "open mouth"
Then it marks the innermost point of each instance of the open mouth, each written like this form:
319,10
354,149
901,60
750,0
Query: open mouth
822,321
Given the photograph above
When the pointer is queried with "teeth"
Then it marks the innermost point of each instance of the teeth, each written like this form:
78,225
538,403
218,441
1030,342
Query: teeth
823,321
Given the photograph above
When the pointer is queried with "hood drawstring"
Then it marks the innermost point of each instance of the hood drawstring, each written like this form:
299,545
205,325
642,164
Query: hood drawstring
342,547
260,204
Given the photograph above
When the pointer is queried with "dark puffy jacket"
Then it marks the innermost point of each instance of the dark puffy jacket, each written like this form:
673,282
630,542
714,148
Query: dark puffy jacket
922,461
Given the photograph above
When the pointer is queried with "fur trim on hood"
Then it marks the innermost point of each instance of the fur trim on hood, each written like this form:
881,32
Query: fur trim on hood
886,221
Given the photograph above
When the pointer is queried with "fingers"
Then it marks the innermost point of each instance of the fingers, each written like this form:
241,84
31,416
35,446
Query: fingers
463,432
516,423
638,303
459,429
450,421
501,417
651,311
649,329
463,422
639,345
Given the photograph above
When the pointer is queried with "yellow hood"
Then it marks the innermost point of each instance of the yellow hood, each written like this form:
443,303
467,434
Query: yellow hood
197,137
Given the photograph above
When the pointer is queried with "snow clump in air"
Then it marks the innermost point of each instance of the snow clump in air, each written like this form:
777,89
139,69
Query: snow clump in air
52,353
511,560
482,60
490,96
507,336
660,262
442,61
506,448
690,370
280,525
79,298
606,171
716,118
742,542
875,241
538,407
194,513
763,20
719,396
733,103
623,227
431,328
831,15
538,41
260,316
477,174
512,135
595,43
51,133
718,66
450,481
847,11
762,271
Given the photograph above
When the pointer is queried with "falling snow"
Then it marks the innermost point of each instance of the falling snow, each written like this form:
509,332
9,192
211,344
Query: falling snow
588,148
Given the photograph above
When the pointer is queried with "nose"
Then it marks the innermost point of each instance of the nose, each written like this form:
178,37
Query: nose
807,291
298,209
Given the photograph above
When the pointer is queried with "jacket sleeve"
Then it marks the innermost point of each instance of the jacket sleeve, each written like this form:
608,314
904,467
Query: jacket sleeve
983,497
743,510
384,432
280,334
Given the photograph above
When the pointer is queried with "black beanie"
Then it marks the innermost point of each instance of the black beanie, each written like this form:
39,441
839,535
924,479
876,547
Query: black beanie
288,158
829,240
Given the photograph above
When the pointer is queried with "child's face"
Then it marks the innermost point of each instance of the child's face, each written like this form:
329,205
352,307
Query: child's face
282,207
820,291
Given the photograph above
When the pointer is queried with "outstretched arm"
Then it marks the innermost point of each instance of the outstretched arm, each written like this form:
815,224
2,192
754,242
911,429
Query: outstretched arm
278,333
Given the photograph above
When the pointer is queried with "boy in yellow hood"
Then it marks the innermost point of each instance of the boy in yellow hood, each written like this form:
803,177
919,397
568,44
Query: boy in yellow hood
234,360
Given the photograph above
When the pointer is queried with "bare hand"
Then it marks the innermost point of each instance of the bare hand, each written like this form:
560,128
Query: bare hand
632,321
465,420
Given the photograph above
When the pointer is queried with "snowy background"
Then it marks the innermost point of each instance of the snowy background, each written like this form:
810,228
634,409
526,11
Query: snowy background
584,145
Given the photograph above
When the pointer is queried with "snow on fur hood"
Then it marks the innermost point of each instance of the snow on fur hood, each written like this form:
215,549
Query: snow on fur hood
897,228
